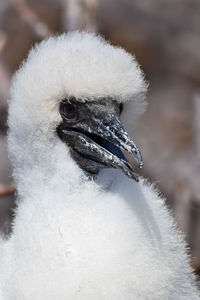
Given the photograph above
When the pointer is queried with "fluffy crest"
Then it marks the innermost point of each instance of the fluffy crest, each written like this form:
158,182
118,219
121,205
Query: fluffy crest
76,64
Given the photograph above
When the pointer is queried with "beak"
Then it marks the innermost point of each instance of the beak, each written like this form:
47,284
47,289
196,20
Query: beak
102,138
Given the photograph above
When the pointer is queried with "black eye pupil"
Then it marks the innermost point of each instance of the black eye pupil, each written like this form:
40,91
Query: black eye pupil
120,108
68,110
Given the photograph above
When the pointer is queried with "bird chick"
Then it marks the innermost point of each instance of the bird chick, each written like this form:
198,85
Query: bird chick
85,228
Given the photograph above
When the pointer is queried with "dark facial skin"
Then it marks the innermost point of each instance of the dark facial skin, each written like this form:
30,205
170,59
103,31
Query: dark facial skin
95,136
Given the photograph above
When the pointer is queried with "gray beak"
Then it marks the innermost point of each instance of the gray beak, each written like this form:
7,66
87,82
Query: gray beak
102,138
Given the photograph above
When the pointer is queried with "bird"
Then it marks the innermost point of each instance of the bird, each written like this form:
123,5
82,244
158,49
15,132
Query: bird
86,225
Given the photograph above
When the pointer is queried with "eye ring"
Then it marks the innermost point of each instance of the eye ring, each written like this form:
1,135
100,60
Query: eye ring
68,110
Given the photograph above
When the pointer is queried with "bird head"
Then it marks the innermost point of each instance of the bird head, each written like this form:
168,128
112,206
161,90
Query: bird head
78,88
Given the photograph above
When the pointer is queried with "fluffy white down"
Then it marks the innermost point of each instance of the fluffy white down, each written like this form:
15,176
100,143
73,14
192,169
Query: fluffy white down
78,64
74,238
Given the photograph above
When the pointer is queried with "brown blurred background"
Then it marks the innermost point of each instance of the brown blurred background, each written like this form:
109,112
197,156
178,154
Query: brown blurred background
164,35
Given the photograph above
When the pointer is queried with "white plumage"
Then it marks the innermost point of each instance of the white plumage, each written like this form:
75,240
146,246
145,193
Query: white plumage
75,238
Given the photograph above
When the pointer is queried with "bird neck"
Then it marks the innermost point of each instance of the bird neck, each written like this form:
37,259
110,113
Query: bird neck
42,160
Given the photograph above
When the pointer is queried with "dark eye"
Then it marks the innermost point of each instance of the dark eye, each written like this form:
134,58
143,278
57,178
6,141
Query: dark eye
120,108
68,110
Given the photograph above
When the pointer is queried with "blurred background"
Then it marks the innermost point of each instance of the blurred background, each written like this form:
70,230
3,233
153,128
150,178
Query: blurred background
164,35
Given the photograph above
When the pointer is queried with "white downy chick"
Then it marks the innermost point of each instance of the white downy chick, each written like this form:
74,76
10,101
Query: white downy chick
83,231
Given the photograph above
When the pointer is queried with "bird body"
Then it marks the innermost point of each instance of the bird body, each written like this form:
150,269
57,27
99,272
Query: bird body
77,235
